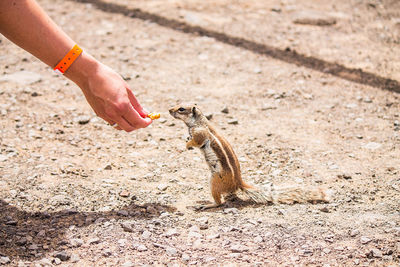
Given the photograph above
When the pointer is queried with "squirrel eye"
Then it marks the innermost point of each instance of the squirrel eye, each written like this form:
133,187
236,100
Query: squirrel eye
181,109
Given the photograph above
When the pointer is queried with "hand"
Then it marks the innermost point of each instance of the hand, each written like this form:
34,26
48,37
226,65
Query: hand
112,100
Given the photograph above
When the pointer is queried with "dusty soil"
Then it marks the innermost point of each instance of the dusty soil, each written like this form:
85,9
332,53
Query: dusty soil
314,105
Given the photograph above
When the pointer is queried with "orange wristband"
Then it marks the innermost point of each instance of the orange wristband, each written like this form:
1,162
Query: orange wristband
69,58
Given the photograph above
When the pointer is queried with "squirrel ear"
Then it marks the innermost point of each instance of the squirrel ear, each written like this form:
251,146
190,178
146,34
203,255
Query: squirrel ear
194,111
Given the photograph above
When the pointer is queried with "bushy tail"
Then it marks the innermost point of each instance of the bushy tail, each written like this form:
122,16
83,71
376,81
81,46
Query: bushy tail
287,195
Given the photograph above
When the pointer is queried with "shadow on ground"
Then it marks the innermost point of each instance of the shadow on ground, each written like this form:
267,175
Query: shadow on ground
28,235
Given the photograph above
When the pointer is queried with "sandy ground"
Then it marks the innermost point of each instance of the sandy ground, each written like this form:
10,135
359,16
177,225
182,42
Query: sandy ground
313,105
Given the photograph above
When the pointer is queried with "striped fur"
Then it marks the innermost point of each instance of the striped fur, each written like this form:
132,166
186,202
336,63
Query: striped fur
226,178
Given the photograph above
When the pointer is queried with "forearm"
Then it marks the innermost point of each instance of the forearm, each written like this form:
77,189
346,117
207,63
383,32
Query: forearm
27,25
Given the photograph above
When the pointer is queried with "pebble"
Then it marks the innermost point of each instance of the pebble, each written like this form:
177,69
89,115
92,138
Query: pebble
354,232
33,247
3,158
225,110
82,119
56,261
238,248
146,234
233,122
127,227
94,241
258,239
162,187
141,248
376,253
124,193
45,262
107,252
122,242
365,240
74,258
214,236
123,213
193,234
62,255
185,257
58,200
22,77
171,251
171,232
4,260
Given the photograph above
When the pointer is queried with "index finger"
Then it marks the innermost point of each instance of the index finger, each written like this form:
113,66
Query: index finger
135,103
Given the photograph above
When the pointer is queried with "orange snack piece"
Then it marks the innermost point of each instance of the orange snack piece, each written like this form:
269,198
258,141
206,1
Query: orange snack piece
154,116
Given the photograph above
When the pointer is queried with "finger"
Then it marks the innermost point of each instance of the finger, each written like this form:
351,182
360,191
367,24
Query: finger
133,118
136,105
124,125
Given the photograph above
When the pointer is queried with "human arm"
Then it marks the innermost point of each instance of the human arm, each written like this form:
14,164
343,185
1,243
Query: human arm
26,24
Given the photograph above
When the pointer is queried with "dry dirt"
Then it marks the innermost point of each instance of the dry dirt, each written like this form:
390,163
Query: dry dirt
314,105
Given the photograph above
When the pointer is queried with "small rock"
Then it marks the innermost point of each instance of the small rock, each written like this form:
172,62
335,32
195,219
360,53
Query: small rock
171,251
354,232
141,248
258,239
214,236
326,250
41,233
209,116
127,227
4,260
185,257
365,240
238,248
344,176
22,241
171,232
33,247
146,234
107,252
162,187
74,258
325,209
233,122
56,261
257,70
46,262
123,213
124,193
82,119
108,167
94,241
376,253
76,242
193,234
62,255
3,158
225,110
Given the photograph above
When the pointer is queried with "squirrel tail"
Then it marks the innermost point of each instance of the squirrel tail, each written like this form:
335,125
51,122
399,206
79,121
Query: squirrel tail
288,194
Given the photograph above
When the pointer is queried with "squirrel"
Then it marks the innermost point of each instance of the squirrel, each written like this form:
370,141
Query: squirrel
226,177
